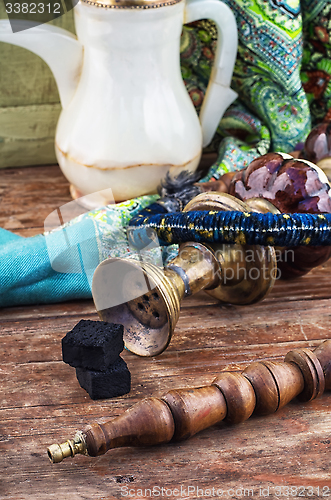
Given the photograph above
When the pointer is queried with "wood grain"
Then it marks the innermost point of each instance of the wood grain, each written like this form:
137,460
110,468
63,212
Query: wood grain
25,79
42,402
29,103
27,134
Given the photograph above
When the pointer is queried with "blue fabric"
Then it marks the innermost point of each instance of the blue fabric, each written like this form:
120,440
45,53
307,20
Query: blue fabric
59,265
26,272
7,236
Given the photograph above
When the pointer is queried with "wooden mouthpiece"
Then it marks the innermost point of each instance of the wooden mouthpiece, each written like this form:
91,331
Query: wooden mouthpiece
261,388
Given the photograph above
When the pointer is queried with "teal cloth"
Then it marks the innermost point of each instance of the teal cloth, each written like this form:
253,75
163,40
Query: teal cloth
27,276
59,265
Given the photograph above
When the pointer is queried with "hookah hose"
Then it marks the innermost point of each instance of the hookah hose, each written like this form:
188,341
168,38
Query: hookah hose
245,228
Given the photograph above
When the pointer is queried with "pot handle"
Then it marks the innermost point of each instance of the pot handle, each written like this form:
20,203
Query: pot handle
219,95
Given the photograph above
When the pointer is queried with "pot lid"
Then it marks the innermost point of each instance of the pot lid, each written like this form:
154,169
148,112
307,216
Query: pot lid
131,4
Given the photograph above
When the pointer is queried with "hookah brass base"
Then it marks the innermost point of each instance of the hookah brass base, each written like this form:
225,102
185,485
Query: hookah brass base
146,299
142,298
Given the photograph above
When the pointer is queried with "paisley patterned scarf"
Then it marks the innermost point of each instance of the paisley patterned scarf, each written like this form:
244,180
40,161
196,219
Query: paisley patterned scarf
281,76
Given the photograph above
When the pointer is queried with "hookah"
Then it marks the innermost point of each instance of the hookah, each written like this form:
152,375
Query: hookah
262,388
215,230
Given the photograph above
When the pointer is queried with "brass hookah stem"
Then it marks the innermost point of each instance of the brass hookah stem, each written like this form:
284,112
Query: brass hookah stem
263,387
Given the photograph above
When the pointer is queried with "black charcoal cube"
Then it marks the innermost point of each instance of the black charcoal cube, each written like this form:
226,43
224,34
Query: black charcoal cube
114,382
93,345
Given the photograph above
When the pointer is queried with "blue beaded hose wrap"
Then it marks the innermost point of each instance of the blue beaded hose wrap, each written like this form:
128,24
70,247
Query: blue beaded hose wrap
281,230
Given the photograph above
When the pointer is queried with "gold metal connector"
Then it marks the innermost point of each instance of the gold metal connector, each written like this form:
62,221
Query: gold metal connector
58,452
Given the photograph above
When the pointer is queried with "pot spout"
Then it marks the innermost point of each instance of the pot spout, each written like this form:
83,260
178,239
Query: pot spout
57,47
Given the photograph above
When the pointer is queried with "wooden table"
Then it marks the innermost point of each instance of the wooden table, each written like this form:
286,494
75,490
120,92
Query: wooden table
42,402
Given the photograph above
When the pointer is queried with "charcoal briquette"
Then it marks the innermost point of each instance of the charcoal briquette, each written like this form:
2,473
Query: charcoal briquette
93,345
111,383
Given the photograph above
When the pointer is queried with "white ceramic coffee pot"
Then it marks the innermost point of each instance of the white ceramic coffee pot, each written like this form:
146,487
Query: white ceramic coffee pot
127,118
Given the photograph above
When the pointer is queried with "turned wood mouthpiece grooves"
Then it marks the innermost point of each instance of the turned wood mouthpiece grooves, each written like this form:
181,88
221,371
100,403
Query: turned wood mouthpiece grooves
239,396
262,388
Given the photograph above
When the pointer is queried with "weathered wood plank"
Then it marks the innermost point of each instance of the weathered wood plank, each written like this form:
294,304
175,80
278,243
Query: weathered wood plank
45,383
22,128
27,135
29,103
25,79
221,457
28,196
314,286
204,328
18,191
